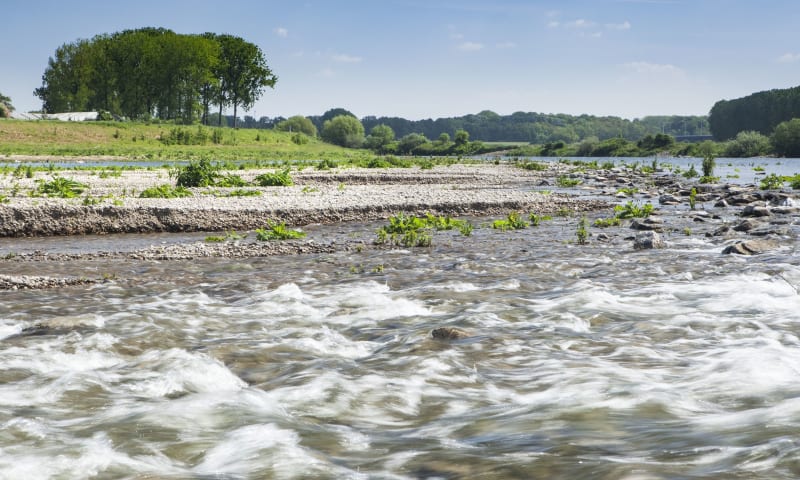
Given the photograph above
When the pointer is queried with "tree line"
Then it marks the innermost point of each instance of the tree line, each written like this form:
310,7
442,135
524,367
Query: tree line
155,73
760,112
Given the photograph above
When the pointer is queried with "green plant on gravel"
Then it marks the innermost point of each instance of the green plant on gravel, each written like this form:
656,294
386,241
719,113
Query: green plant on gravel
582,232
628,191
61,187
240,192
794,181
277,231
229,236
632,210
326,164
4,199
565,182
277,179
693,198
165,191
513,221
197,174
691,173
230,180
410,231
771,182
608,222
448,223
534,166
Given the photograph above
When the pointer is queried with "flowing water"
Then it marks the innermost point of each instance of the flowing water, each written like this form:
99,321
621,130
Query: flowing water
591,361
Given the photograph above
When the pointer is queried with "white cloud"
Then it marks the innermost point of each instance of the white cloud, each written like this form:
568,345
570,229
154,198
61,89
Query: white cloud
344,58
326,73
789,58
505,45
554,24
281,32
470,47
626,25
456,36
580,23
647,68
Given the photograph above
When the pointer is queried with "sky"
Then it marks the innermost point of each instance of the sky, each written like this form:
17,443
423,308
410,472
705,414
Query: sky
442,58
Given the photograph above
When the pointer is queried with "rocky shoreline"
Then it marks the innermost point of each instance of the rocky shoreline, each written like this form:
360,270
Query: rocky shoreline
741,219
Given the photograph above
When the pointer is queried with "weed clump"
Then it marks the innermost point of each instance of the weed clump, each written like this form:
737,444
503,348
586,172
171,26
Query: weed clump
61,187
277,231
277,179
197,174
513,221
165,191
772,182
632,210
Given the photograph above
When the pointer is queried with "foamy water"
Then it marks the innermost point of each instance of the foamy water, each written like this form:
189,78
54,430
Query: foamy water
584,362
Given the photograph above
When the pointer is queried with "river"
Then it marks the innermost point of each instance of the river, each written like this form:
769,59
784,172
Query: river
583,361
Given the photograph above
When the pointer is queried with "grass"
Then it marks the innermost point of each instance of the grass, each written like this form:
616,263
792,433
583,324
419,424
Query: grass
564,181
136,140
277,231
410,231
608,222
277,179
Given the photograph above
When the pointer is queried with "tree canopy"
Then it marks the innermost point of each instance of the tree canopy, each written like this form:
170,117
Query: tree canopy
760,112
5,106
155,72
297,123
343,130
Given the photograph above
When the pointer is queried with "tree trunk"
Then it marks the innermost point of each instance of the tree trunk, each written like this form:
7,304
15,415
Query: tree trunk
219,120
234,115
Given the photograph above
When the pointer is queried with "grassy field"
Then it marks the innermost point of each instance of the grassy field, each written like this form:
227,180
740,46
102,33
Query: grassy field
151,142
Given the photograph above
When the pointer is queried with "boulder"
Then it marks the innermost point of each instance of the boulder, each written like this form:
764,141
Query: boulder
750,247
668,199
746,225
448,333
755,211
648,240
649,223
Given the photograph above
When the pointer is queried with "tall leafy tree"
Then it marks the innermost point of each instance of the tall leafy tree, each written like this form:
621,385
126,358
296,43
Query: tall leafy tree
5,106
244,73
297,123
344,130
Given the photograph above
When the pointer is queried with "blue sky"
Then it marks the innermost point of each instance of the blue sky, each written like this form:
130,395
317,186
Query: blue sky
427,59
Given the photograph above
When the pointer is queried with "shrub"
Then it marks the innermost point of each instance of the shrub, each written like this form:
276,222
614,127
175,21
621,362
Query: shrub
277,179
582,232
230,181
608,222
748,144
564,181
632,210
300,139
513,221
771,182
197,174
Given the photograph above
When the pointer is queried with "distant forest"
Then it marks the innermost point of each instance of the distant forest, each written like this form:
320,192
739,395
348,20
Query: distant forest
537,128
760,112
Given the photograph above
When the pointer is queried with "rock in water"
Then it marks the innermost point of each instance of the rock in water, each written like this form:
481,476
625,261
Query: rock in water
647,240
750,247
448,333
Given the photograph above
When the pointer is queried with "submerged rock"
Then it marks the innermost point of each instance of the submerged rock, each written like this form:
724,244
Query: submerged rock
650,223
755,211
750,247
448,333
648,240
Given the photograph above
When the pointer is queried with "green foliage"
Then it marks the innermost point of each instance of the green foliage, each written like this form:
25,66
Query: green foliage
564,181
513,221
277,231
231,236
379,138
410,231
608,222
230,180
632,210
242,192
709,163
535,166
277,179
300,139
794,181
344,130
693,198
786,138
537,219
628,191
582,232
771,182
5,106
748,144
760,112
326,164
197,174
298,124
691,173
185,136
61,187
165,191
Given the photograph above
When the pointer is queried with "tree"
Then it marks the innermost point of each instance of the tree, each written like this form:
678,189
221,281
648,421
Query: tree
343,130
748,144
297,123
5,106
379,137
786,138
244,73
461,138
411,142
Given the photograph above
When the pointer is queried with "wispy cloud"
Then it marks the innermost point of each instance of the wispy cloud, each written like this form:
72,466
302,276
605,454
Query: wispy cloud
626,25
470,46
326,73
281,32
648,68
344,58
505,45
789,58
553,24
580,23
